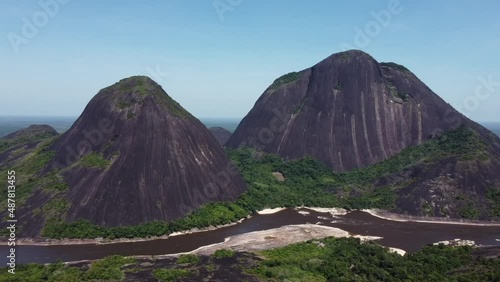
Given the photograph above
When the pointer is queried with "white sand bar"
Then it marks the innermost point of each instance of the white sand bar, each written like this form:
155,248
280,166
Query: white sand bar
332,211
270,211
397,251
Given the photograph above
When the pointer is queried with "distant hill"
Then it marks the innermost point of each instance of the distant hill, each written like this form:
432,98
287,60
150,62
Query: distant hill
221,134
16,145
9,124
61,124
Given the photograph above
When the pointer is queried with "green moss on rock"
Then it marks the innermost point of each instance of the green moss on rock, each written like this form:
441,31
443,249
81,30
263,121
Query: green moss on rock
94,160
287,78
395,66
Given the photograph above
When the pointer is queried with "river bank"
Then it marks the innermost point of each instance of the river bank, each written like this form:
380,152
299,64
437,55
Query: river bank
436,220
301,210
269,239
391,233
103,241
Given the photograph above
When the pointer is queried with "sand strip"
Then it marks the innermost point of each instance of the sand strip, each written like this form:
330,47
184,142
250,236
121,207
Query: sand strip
270,211
403,218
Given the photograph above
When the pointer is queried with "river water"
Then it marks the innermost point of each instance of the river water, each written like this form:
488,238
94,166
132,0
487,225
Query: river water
409,236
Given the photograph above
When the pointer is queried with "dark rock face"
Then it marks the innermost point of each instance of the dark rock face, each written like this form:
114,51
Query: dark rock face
348,111
220,134
135,155
18,144
453,188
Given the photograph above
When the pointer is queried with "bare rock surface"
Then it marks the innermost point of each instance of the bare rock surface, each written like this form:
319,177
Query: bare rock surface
347,111
221,134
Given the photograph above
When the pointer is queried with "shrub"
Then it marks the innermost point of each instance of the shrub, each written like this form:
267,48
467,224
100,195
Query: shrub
224,253
188,259
165,274
108,268
287,78
94,160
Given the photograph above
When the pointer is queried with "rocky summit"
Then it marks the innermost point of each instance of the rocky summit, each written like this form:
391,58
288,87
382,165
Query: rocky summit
348,111
133,156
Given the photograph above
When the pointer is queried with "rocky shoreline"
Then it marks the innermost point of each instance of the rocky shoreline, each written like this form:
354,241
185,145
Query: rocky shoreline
436,220
103,241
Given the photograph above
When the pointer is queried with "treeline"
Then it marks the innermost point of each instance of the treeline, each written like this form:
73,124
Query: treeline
209,215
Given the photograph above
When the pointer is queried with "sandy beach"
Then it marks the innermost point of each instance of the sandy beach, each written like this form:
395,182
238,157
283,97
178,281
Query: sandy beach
270,211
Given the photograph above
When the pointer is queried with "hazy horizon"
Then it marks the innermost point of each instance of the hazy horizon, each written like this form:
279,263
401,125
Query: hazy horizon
9,124
200,118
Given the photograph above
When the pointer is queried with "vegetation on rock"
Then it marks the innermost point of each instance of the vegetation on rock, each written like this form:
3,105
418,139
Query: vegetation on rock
284,79
94,160
188,259
107,269
170,274
395,66
224,253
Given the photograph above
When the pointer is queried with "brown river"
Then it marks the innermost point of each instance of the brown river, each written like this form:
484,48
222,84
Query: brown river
409,236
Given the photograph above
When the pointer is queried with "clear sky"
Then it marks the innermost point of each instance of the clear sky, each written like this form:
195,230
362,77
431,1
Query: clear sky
217,57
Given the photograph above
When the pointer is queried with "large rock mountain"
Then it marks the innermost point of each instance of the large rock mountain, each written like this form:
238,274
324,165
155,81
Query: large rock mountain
350,111
133,156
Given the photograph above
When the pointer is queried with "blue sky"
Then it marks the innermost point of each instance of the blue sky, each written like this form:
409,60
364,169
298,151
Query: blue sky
220,61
